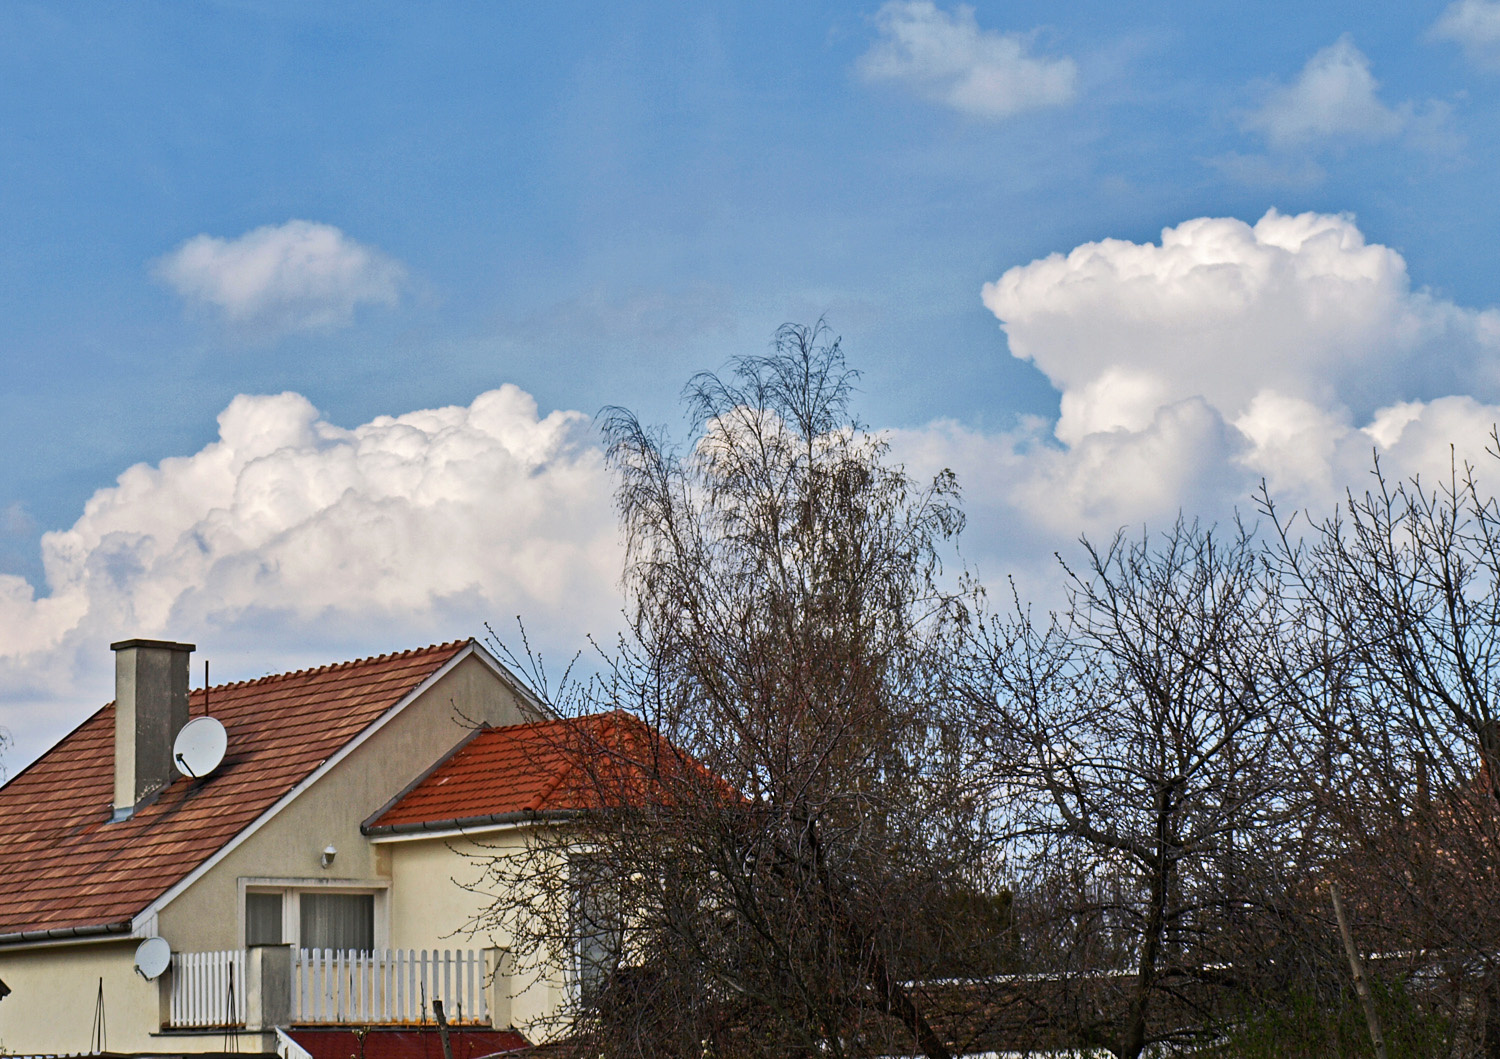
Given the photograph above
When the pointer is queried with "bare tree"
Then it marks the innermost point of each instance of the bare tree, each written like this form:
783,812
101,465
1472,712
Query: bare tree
1141,736
1405,586
792,847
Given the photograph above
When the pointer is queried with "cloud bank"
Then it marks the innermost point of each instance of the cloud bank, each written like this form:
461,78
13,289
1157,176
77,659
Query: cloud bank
1187,369
290,540
1190,369
299,276
946,58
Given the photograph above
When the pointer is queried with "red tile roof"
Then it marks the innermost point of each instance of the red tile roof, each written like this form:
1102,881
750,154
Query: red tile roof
64,865
546,766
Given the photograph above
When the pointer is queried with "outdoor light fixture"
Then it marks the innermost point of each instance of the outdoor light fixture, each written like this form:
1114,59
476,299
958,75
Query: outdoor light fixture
328,854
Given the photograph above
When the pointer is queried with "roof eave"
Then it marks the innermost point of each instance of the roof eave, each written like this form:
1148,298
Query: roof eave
463,823
54,935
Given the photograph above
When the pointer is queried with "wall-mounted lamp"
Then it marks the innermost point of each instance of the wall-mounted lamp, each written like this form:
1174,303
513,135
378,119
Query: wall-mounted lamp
328,854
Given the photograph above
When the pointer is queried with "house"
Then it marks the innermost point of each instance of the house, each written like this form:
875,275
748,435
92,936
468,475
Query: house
305,886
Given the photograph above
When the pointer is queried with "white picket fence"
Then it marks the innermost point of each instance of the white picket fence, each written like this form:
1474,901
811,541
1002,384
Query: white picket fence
328,986
388,986
208,988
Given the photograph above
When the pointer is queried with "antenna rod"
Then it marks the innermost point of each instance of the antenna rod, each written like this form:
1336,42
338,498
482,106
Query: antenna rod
205,687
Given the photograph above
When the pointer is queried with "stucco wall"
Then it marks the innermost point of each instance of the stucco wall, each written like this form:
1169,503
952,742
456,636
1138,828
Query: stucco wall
53,993
433,907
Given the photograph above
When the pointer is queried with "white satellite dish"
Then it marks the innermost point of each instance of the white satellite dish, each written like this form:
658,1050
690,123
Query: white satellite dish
199,747
152,957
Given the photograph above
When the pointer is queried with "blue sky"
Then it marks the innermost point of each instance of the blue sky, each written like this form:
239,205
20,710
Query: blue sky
589,202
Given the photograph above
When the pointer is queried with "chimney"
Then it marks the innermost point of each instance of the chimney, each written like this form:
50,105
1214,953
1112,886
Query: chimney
151,706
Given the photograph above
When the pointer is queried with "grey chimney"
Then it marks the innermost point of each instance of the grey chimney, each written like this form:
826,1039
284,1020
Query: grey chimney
151,706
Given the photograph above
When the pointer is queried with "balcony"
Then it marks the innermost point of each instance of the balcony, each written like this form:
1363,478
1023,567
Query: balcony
269,986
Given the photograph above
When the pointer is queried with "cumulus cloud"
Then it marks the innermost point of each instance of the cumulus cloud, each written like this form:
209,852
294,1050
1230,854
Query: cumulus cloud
946,58
1475,26
1025,492
290,540
1300,305
1335,97
1190,369
298,276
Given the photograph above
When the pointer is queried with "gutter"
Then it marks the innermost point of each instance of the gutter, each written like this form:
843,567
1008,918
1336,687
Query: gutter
524,816
21,937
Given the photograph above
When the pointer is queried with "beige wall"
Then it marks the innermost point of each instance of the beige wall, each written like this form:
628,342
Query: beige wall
54,991
432,907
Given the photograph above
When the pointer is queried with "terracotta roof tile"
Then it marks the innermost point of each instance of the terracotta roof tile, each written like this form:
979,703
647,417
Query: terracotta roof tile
63,864
546,766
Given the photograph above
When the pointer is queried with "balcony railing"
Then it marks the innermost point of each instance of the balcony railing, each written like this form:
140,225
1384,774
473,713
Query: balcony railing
389,987
211,990
208,989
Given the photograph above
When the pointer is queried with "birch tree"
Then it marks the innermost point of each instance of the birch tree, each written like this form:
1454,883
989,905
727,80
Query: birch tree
799,845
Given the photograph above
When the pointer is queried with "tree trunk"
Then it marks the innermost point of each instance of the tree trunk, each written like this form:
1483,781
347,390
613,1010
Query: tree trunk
899,1003
1133,1036
1361,985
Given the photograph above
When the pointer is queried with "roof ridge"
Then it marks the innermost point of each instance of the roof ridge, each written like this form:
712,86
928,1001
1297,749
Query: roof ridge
504,773
331,666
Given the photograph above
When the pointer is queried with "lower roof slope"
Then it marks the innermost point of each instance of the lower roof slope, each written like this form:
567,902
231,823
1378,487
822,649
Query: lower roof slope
65,866
556,766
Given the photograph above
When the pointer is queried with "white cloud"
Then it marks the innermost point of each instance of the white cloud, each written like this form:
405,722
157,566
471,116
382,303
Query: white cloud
948,59
1220,309
1106,480
298,276
1293,443
293,541
1475,26
1189,370
1334,98
16,521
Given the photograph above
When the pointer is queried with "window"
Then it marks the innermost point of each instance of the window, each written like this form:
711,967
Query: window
596,927
338,921
263,919
350,916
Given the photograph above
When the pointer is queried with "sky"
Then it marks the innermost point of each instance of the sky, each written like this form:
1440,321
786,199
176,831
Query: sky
307,309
